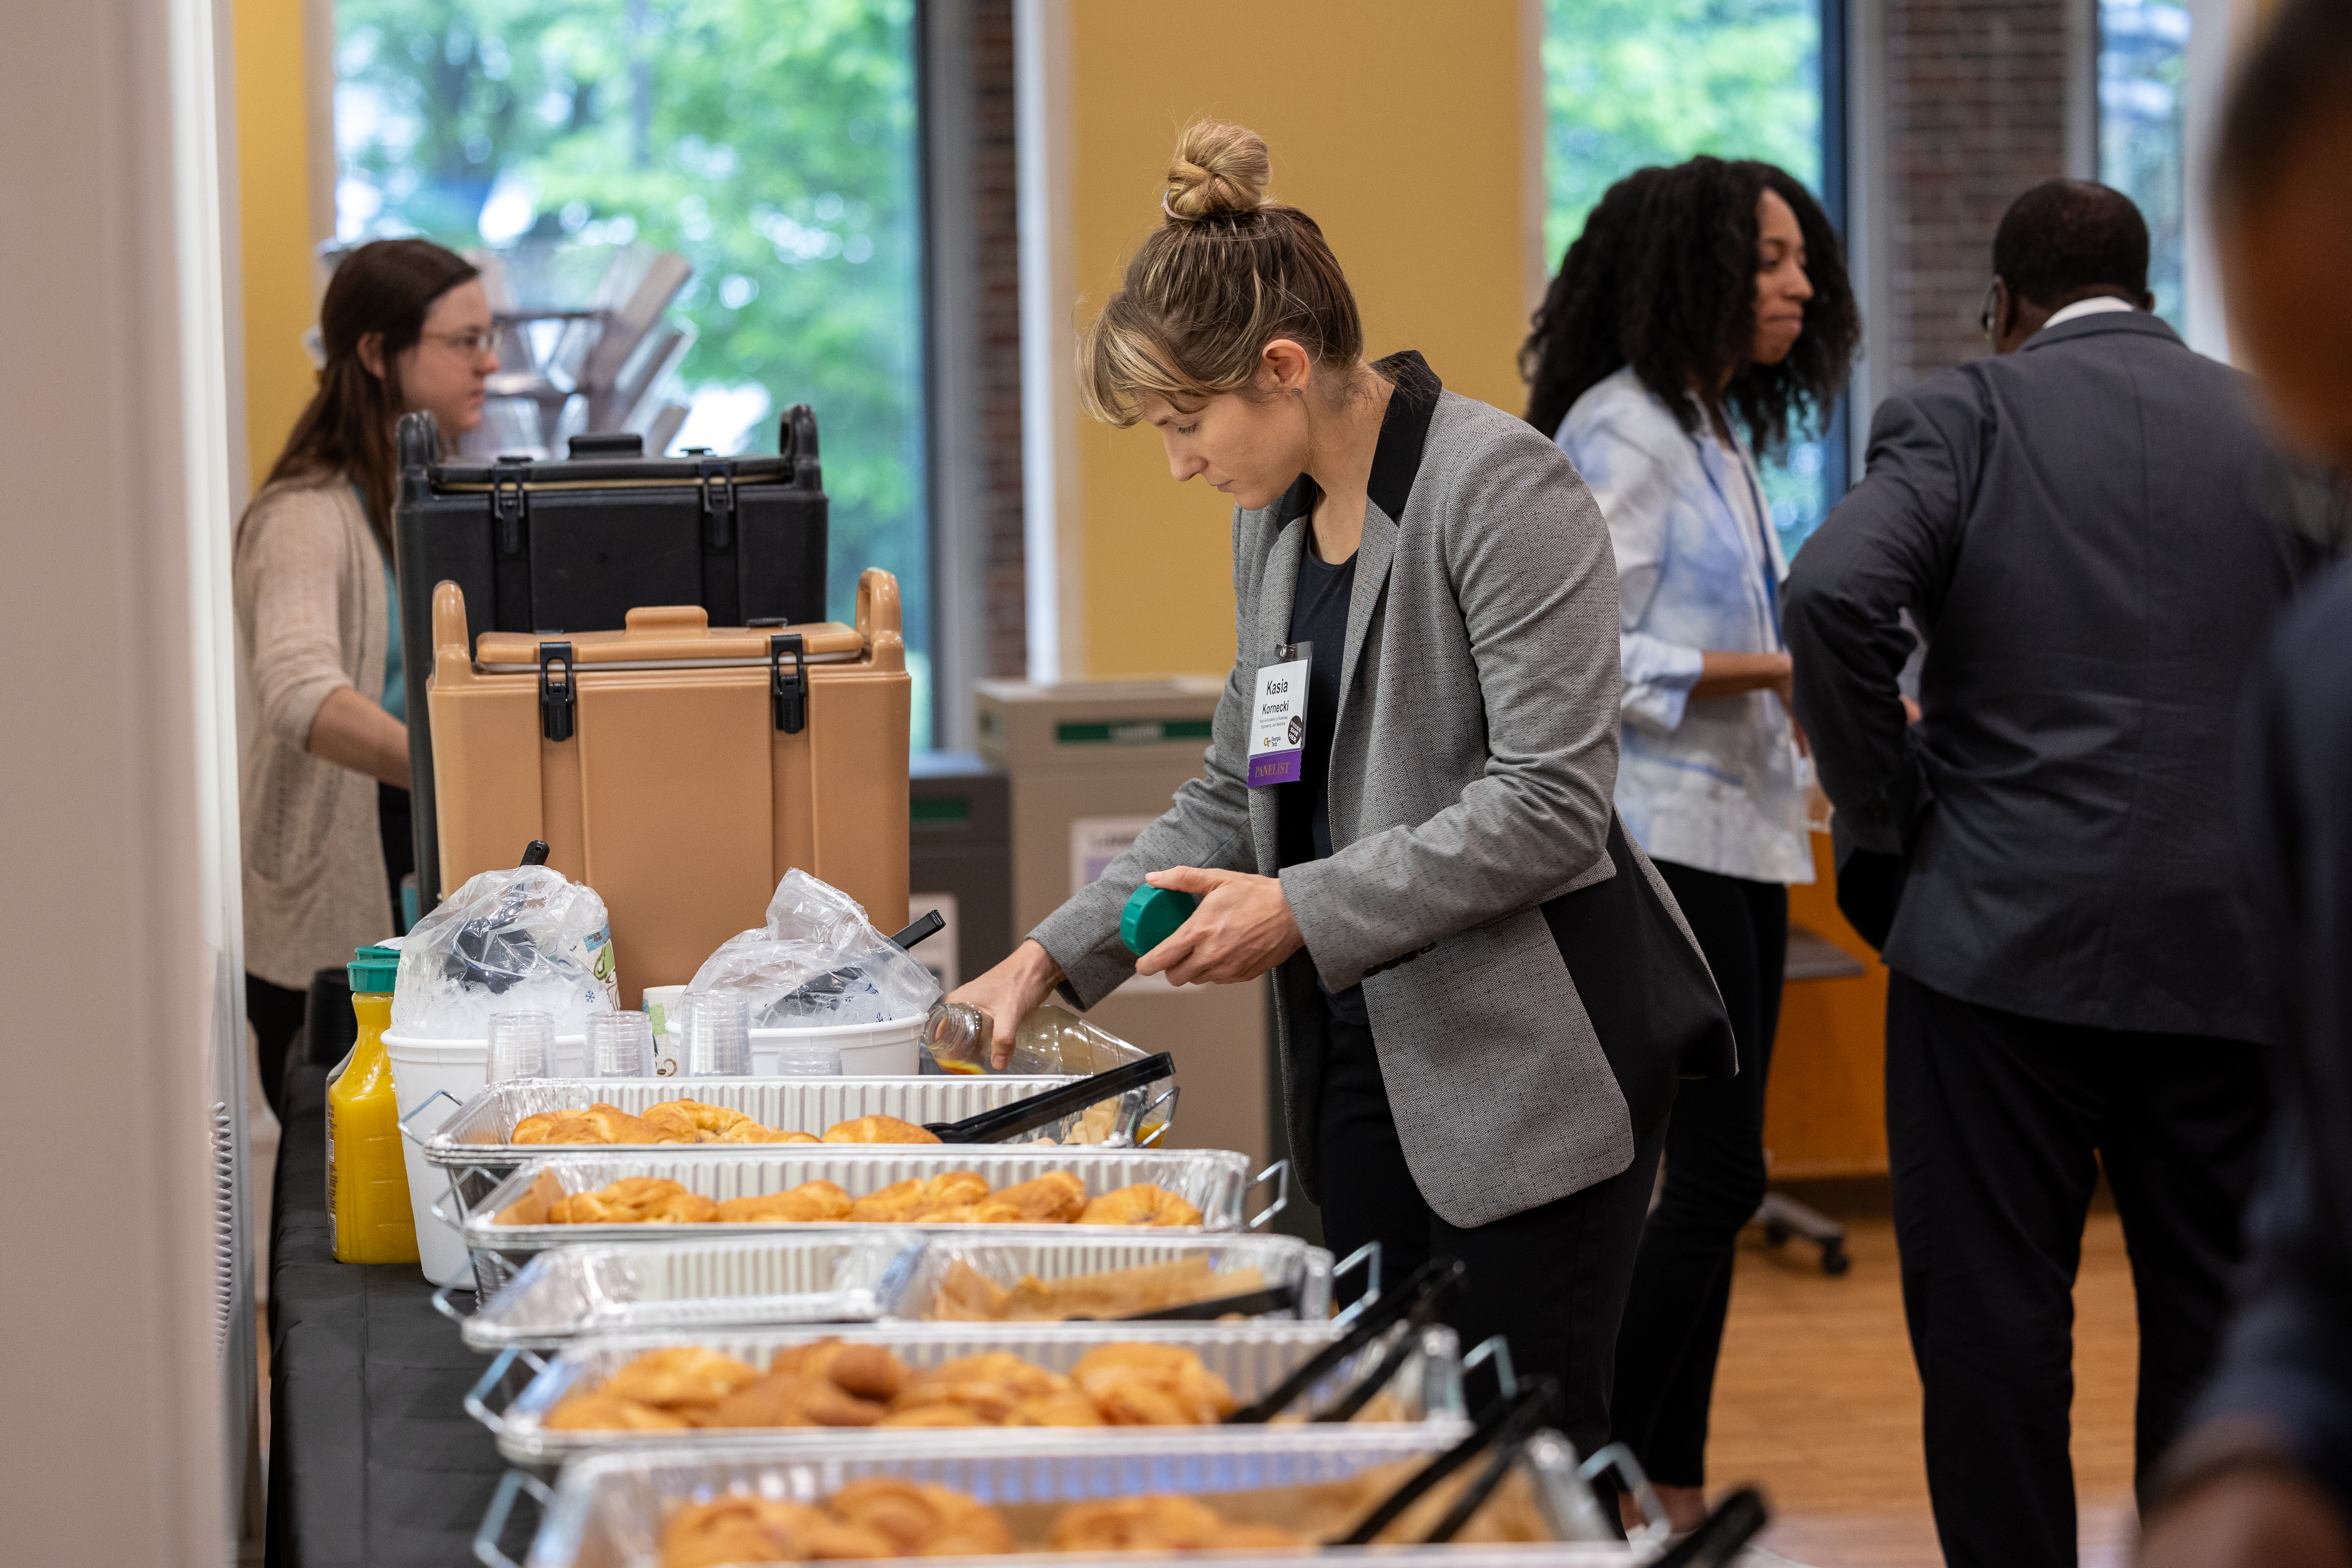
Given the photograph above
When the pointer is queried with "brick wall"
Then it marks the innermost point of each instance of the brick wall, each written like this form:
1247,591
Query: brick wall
1005,634
1975,111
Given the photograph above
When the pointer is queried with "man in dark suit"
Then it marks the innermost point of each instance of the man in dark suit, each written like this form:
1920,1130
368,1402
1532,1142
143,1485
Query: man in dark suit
2092,536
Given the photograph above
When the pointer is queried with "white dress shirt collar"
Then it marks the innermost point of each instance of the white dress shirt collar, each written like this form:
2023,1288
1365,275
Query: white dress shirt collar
2096,305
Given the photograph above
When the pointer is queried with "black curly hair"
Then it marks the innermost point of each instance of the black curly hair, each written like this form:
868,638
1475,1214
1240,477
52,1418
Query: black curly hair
1663,278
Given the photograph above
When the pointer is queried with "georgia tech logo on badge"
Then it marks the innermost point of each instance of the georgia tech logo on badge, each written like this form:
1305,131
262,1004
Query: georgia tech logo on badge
1297,729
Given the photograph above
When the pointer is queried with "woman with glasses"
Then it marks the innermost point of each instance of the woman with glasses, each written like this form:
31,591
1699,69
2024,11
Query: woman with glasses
406,328
1704,307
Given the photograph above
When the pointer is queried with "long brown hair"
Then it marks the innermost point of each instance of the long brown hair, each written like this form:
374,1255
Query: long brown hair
387,286
1226,274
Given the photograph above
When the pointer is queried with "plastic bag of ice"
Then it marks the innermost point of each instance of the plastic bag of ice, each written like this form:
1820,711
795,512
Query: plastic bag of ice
507,941
818,962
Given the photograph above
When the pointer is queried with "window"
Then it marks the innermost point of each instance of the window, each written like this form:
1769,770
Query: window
2143,75
1629,83
774,147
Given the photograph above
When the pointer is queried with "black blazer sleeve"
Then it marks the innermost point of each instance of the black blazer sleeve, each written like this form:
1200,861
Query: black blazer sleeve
1889,546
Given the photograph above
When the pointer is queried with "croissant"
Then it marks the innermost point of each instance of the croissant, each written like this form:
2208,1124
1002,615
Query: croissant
1142,1203
878,1130
1159,1523
916,1197
600,1123
1055,1198
738,1529
919,1520
635,1200
695,1121
810,1203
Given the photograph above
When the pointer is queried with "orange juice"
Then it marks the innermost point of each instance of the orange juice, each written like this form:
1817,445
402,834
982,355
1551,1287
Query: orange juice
367,1179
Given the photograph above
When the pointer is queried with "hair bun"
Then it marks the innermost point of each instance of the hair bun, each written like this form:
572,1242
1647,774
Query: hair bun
1219,167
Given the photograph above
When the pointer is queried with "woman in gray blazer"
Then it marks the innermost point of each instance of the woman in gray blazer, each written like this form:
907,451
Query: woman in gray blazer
1486,992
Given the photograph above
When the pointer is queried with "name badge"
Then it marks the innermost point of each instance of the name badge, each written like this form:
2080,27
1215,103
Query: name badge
1278,721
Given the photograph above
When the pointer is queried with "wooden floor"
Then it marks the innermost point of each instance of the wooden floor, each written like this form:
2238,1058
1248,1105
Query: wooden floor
1817,1402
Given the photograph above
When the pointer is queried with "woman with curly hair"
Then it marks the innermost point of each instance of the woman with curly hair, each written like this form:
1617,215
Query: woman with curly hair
1700,301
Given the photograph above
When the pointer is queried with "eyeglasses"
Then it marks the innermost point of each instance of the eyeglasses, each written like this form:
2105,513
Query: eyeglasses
1985,311
477,343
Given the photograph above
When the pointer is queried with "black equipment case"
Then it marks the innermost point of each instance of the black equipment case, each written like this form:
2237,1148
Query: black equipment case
574,545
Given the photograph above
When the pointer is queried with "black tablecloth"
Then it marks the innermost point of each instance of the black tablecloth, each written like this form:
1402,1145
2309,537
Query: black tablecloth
373,1459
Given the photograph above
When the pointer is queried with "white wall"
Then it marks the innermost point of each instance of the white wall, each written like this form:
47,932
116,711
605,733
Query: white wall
117,927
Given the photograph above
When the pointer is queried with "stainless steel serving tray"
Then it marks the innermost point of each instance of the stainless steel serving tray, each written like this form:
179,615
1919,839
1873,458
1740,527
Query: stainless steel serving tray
608,1508
1214,1181
1251,1358
836,1278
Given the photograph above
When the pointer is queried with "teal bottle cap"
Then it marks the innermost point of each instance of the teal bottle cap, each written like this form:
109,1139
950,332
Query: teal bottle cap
1153,915
372,969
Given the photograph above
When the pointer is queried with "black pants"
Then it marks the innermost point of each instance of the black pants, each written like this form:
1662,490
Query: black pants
1551,1279
1714,1178
277,1013
1997,1126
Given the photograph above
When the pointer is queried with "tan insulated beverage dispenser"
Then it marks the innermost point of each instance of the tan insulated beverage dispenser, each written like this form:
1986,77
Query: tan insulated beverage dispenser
678,768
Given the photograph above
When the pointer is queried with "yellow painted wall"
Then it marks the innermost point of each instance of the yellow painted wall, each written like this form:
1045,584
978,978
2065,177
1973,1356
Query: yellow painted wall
274,221
1399,126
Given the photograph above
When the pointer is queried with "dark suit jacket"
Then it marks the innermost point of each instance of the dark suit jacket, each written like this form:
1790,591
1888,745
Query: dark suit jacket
2286,1364
2094,537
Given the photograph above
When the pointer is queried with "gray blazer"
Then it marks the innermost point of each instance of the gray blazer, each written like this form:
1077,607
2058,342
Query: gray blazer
1470,781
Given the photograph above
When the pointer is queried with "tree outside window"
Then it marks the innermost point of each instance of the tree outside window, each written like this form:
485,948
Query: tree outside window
773,145
1632,83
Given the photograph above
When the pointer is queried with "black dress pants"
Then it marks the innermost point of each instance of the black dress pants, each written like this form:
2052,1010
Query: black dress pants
1714,1180
1996,1128
1551,1279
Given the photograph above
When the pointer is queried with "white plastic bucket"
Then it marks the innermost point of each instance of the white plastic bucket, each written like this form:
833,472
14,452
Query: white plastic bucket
420,1068
892,1049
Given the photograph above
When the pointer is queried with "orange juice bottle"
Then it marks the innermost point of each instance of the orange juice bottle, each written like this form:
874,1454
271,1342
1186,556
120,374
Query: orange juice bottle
367,1179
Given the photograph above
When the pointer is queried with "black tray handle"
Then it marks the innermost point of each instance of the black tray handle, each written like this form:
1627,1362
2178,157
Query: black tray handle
1028,1115
1419,1294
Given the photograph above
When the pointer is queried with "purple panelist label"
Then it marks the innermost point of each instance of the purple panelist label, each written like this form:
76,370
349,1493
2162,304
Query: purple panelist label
1273,768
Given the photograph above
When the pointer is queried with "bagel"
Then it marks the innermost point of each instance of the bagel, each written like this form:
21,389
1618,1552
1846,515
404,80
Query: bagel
878,1130
1142,1203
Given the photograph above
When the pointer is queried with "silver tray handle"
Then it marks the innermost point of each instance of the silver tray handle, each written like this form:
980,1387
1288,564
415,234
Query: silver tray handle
1368,1255
409,1131
441,1302
1617,1456
477,1396
494,1522
1280,1172
1498,1350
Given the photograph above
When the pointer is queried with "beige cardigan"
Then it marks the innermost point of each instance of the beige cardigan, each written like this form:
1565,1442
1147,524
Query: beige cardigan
310,616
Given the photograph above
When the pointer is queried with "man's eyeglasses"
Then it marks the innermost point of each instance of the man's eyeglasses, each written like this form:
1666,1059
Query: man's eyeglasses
477,343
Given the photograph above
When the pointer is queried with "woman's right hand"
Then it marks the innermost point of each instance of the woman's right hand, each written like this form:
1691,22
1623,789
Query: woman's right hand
1010,993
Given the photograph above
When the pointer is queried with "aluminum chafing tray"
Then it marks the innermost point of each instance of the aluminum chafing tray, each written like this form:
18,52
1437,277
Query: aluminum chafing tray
1214,1181
836,1278
1251,1358
479,1130
608,1508
833,1276
472,1144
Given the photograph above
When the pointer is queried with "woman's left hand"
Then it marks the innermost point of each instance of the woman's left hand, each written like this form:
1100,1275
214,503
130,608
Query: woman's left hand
1243,928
